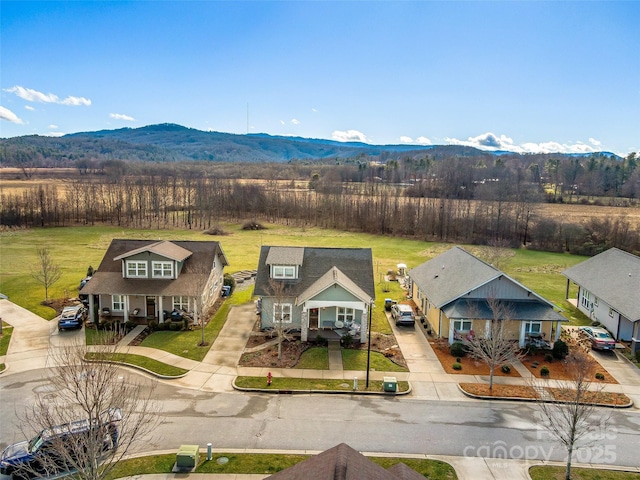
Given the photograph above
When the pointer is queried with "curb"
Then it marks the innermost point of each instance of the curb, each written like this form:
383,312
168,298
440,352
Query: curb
522,399
310,391
142,369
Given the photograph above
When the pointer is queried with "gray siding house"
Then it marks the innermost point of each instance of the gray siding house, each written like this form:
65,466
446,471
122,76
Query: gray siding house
608,292
139,279
316,289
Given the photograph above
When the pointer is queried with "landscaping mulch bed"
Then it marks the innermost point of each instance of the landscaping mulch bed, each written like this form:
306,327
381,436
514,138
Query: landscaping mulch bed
609,398
470,366
509,391
559,370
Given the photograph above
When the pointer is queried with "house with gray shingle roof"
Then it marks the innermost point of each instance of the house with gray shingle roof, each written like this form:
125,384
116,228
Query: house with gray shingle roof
608,292
454,291
316,290
140,279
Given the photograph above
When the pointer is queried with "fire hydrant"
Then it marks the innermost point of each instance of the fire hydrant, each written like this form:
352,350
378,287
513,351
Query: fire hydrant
269,377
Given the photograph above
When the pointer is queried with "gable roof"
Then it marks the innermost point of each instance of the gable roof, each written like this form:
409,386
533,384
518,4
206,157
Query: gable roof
164,248
333,277
356,264
196,269
451,275
343,463
285,256
614,277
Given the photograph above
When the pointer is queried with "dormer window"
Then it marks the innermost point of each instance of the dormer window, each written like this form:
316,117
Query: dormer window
162,269
136,269
286,272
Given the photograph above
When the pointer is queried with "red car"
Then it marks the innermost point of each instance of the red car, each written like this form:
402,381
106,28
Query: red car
600,338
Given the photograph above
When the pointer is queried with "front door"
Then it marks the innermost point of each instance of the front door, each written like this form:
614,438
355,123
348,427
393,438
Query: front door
151,307
313,318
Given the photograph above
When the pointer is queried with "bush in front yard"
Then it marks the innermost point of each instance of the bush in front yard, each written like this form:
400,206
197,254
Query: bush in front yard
544,371
560,349
548,357
506,368
457,349
638,356
457,366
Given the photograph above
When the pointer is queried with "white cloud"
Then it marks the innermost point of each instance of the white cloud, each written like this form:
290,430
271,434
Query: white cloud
295,121
405,139
29,107
489,141
53,127
595,142
35,96
349,136
423,141
9,116
314,110
418,141
283,122
54,134
121,116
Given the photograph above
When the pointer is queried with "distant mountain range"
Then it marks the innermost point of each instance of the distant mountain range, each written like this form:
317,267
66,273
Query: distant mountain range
171,142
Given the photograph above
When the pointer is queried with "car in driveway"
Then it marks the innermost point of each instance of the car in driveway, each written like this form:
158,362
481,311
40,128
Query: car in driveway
403,314
600,338
72,317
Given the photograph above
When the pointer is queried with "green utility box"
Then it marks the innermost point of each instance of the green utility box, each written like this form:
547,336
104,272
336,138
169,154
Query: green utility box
187,456
389,384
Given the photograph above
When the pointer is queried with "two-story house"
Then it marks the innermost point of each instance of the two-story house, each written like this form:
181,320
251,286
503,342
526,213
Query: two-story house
314,289
141,279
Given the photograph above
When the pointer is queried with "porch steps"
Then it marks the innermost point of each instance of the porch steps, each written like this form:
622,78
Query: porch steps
335,355
128,338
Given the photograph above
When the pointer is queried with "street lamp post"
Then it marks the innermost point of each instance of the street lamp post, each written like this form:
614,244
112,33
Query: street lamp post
369,344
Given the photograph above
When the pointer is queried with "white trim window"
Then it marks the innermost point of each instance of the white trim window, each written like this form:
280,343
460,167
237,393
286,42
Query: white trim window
586,300
286,272
181,303
136,269
462,325
282,312
611,312
117,303
345,314
532,328
162,269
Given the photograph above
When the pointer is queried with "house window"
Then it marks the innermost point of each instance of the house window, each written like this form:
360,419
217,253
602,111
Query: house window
586,299
346,314
117,303
611,312
283,271
136,269
162,269
533,328
595,301
181,303
462,325
282,312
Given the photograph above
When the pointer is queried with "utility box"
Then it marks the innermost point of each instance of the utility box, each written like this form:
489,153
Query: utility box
390,384
187,457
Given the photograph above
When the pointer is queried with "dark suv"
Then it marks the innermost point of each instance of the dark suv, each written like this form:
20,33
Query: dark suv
72,317
56,450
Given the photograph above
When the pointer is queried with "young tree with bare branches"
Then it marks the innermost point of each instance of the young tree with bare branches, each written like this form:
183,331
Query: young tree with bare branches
571,416
89,418
46,272
281,314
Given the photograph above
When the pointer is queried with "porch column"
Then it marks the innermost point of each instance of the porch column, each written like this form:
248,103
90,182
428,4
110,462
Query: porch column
126,308
92,313
364,324
160,314
558,331
304,324
635,338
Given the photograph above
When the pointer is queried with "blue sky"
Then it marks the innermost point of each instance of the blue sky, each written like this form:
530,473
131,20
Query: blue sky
524,76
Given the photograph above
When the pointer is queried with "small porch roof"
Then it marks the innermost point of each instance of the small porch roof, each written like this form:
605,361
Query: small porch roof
518,310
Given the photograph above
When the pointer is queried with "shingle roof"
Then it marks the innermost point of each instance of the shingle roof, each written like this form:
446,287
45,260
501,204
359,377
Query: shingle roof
285,256
108,278
334,276
452,274
343,463
531,310
165,248
354,263
614,277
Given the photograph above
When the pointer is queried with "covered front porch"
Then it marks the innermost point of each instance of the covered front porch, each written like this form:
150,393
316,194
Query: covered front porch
333,320
140,309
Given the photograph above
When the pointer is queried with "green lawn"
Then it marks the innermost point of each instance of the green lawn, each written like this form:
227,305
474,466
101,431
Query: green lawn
7,330
357,360
315,358
262,463
305,384
147,363
558,473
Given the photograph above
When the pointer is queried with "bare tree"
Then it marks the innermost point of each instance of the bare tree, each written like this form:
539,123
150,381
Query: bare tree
570,414
45,272
281,316
496,253
495,348
89,418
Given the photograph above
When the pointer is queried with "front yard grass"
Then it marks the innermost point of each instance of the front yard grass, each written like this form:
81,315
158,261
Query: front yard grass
558,473
315,358
357,360
306,384
7,330
263,463
147,363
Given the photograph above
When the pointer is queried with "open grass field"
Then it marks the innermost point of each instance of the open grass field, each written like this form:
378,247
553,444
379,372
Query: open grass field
75,248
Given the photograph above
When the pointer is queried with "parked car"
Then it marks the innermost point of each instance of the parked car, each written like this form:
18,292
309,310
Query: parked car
600,338
403,314
72,317
52,450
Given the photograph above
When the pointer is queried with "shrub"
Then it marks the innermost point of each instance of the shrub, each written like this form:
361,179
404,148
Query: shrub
457,349
346,341
457,366
253,225
532,350
458,359
321,341
506,368
153,325
185,323
229,281
548,357
215,231
129,325
638,356
174,326
544,371
560,349
599,376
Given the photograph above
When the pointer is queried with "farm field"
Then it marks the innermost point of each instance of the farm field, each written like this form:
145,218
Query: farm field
75,248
